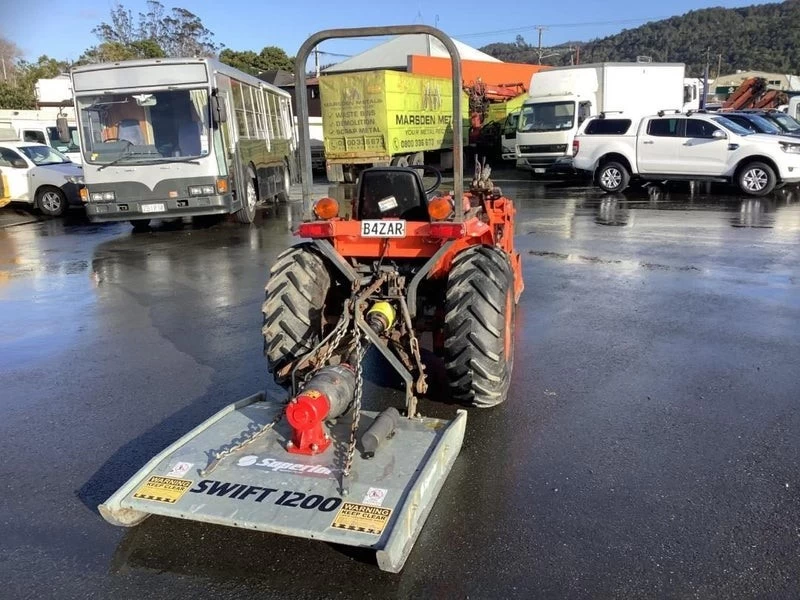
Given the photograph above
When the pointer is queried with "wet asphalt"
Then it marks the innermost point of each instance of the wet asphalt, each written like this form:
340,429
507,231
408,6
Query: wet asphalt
648,447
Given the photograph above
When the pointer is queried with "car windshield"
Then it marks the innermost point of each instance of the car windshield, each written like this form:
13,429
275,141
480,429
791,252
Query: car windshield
160,126
73,145
43,155
786,122
547,116
731,126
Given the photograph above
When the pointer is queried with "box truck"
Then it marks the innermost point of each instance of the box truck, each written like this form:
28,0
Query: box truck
561,99
386,117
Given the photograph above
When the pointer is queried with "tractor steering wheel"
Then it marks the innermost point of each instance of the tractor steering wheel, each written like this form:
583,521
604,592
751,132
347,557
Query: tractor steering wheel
434,172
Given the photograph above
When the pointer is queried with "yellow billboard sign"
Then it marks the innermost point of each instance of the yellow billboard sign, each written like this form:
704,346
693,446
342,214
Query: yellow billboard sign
383,113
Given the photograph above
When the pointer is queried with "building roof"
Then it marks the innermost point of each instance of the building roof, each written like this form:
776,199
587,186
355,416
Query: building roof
394,54
279,78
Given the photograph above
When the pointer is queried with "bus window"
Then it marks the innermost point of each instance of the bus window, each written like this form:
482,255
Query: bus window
238,109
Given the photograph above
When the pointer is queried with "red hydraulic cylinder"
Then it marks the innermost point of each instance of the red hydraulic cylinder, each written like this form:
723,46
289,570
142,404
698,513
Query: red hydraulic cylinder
326,396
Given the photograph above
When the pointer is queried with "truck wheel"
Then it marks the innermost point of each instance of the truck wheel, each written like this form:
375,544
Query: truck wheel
295,296
757,179
400,161
479,326
51,201
613,177
283,194
247,213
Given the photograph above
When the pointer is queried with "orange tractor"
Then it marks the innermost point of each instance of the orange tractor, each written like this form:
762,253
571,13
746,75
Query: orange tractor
403,259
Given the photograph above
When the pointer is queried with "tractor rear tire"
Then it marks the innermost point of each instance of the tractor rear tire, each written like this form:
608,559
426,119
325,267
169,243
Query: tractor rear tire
479,326
295,297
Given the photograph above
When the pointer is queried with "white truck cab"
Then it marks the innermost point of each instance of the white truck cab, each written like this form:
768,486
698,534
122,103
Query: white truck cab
508,137
41,127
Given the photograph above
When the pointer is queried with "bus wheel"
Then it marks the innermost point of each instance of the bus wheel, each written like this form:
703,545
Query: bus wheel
247,213
283,194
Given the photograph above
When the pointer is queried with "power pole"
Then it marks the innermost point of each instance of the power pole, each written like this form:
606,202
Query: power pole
719,65
541,52
705,80
541,30
316,61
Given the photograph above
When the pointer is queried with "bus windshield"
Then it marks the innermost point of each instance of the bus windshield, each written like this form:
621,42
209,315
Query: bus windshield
159,126
547,116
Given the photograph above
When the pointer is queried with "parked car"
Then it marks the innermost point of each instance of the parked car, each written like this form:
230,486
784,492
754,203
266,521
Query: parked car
691,146
787,123
757,122
39,175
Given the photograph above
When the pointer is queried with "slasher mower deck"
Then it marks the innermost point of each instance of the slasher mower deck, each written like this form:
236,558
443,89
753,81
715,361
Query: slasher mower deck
263,487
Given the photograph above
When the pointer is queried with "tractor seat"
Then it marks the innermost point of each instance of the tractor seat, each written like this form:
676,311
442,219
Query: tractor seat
395,192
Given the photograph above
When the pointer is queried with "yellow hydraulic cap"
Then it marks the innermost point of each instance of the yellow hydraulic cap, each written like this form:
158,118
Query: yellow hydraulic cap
381,316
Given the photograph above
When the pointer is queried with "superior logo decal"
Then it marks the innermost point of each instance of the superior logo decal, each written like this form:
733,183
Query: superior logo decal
279,466
288,498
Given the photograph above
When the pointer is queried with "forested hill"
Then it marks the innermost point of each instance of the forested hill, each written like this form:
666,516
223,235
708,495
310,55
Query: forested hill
764,37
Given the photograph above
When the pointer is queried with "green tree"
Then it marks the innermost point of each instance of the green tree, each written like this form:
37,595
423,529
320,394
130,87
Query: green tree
271,58
155,34
10,55
19,94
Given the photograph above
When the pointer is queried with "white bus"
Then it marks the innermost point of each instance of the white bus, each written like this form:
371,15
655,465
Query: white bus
180,137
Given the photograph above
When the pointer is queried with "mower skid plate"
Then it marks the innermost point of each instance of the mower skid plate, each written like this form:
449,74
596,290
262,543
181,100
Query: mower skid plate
262,486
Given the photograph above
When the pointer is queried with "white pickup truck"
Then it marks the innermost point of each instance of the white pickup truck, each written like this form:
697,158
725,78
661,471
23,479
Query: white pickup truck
691,146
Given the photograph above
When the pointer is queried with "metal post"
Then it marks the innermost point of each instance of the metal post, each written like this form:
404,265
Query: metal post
302,101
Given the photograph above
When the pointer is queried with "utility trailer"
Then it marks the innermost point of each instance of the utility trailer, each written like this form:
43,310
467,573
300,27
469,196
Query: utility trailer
318,466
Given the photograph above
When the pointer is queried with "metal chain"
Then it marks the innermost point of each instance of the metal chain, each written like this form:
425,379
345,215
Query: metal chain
341,331
225,453
351,447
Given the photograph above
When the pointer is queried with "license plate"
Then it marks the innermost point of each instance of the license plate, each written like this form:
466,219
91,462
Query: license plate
539,170
383,229
150,208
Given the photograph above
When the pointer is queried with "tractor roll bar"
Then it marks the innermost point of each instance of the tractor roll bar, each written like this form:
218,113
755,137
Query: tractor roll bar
301,99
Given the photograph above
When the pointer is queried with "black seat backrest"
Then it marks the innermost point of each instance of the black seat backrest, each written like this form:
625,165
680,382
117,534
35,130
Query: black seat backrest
391,192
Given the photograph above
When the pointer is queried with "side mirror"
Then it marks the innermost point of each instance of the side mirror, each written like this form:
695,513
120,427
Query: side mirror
63,130
219,110
19,163
719,135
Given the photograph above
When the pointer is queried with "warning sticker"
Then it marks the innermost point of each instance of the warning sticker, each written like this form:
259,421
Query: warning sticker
362,517
163,489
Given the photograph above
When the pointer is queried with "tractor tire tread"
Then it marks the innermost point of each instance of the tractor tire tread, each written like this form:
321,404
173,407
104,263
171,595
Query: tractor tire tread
474,326
295,296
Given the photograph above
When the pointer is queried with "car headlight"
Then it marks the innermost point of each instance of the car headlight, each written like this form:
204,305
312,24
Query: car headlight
790,148
76,179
